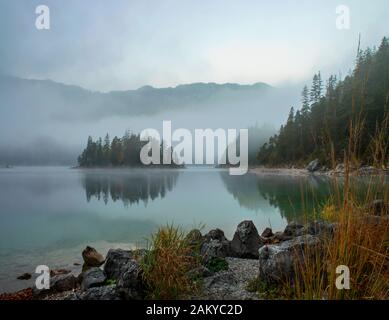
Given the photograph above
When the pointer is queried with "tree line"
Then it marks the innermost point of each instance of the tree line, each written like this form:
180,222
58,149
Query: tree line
337,117
123,151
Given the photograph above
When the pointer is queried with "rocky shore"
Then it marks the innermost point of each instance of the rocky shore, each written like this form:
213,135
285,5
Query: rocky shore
226,268
316,168
225,271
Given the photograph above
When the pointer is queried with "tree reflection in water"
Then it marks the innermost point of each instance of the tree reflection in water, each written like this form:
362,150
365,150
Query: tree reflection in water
130,186
293,196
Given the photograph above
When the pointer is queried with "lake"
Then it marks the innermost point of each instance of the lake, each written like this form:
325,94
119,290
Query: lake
49,214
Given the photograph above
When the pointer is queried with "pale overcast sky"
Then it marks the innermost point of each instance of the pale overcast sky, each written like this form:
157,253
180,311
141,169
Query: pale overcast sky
118,45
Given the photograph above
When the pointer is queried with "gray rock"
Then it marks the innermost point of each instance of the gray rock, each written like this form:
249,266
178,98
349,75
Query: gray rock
99,293
92,258
130,283
368,170
229,284
225,279
215,245
246,241
277,262
94,277
215,249
267,233
63,282
215,234
294,229
321,228
313,165
116,262
199,272
280,236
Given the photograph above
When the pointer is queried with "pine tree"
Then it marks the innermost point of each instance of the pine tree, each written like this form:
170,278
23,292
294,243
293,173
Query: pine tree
305,102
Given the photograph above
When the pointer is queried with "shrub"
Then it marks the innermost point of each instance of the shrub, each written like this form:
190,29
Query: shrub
167,263
217,264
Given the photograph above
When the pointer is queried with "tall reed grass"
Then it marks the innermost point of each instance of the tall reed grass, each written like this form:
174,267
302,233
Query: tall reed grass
361,237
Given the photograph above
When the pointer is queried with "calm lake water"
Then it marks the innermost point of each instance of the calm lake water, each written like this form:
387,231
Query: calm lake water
48,215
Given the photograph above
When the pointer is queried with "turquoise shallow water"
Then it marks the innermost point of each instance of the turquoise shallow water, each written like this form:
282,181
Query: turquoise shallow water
48,215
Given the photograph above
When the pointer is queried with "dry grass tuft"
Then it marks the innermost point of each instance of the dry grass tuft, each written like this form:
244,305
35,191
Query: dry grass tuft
166,265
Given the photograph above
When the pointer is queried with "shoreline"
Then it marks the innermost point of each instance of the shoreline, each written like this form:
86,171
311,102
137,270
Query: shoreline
301,172
279,171
105,277
232,269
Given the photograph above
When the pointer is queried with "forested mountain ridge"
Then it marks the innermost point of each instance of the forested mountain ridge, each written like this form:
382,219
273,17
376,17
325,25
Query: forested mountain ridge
333,113
18,93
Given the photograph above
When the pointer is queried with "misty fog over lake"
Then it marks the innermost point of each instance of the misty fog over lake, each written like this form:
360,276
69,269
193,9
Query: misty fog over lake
49,214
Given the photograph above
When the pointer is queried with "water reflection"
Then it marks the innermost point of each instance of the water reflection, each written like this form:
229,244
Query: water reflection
129,187
292,196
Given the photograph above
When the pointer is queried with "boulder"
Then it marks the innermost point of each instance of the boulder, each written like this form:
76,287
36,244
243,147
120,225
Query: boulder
321,228
116,262
246,241
267,233
215,249
94,277
313,165
294,229
99,293
92,258
130,283
277,262
280,236
215,234
63,282
215,245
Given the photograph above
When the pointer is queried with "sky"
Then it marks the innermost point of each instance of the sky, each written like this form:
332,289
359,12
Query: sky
120,45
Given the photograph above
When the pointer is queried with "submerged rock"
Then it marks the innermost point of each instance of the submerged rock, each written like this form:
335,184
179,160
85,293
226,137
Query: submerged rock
24,276
246,241
277,262
92,258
